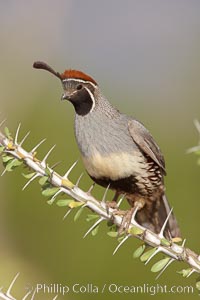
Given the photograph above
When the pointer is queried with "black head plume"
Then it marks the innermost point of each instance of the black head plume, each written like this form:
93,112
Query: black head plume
44,66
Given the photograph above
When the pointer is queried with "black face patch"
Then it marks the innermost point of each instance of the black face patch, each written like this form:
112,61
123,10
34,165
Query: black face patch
82,102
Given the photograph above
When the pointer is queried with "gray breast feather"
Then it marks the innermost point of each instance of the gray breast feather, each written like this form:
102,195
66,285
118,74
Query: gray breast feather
109,148
104,134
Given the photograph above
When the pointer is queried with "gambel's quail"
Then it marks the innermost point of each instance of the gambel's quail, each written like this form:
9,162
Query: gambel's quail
118,150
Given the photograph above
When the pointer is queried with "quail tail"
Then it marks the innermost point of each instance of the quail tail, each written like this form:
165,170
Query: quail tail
153,216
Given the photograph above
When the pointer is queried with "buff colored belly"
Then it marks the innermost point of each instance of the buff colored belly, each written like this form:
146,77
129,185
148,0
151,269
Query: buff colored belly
114,166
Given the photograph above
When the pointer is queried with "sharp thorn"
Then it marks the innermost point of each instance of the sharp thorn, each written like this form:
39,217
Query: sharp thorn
165,267
32,178
152,255
134,213
121,243
54,196
67,213
120,200
197,125
190,273
27,294
2,122
183,243
33,295
55,165
4,171
105,193
8,293
93,226
55,297
43,162
91,188
17,134
35,148
78,181
193,149
165,224
23,140
70,169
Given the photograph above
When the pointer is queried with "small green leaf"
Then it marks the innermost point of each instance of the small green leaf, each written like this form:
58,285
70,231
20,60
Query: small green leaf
110,223
112,226
185,272
51,201
91,217
63,202
197,152
138,252
136,230
120,238
78,213
43,180
147,254
7,132
165,242
6,158
159,265
176,239
2,148
47,170
9,165
28,176
198,285
74,204
50,191
95,230
17,163
112,233
13,164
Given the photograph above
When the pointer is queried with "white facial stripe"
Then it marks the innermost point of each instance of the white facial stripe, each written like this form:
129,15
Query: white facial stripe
82,81
92,97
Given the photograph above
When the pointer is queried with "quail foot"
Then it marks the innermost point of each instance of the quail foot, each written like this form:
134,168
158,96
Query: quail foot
117,150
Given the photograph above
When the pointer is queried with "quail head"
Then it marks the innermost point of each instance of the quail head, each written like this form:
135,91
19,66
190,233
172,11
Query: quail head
117,150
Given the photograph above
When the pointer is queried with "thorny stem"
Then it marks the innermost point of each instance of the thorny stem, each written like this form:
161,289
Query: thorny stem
173,250
8,296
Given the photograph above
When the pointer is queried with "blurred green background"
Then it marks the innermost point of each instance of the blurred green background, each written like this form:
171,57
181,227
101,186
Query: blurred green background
146,57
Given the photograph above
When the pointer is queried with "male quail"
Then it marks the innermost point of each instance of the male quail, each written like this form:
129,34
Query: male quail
117,150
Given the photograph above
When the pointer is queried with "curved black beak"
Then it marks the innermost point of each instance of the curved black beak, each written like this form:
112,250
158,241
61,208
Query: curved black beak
66,96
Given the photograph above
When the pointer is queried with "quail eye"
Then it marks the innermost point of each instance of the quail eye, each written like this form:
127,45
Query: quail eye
79,87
